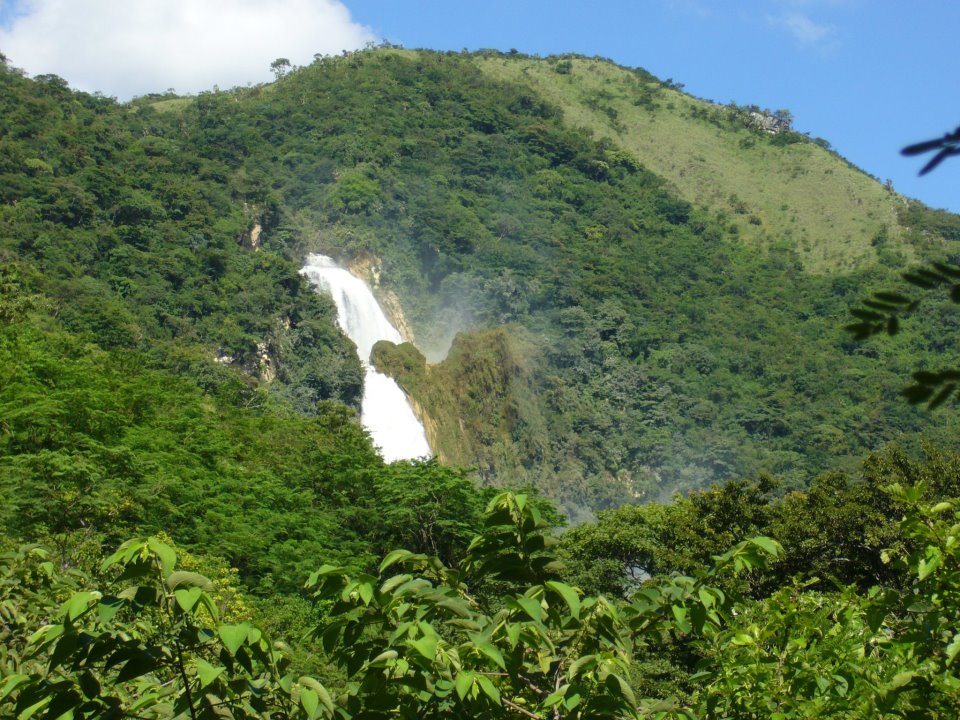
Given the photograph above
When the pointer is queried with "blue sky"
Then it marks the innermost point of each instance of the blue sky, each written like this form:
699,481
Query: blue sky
870,76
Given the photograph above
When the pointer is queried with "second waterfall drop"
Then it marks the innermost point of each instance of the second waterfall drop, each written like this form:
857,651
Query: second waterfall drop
384,410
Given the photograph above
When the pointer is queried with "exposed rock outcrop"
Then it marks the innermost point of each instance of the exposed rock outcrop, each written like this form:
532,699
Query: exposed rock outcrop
772,124
251,238
264,362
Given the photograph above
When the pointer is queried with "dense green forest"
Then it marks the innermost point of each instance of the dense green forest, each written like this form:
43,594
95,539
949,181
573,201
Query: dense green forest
642,334
762,526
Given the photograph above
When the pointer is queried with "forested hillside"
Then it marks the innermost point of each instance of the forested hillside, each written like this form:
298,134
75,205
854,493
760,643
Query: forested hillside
632,303
157,374
658,341
651,337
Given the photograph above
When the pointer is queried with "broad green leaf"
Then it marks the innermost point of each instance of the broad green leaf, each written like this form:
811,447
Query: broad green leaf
491,652
32,710
698,617
953,648
140,664
624,688
383,658
513,633
770,546
347,590
531,607
455,605
64,649
568,594
187,598
108,607
325,571
841,684
206,672
123,554
464,683
186,579
63,704
320,690
587,662
901,679
233,636
426,646
706,597
310,701
12,683
46,634
149,700
489,689
930,563
168,558
393,558
326,699
404,628
210,606
554,698
77,605
89,685
397,580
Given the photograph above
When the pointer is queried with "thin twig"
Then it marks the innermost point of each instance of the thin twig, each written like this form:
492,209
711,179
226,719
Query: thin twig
521,710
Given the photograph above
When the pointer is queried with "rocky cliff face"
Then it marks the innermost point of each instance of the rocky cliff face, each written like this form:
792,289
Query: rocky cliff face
478,405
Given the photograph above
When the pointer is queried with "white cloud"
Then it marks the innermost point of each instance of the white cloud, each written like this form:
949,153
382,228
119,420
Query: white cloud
804,30
133,47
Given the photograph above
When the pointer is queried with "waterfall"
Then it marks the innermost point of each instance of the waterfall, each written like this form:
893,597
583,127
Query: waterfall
384,410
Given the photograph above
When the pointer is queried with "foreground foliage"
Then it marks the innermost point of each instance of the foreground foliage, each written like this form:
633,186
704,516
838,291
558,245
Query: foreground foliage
500,637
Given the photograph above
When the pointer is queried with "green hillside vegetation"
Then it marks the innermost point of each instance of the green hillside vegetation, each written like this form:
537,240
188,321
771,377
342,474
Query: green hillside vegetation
166,375
96,447
491,210
771,188
159,374
654,347
487,374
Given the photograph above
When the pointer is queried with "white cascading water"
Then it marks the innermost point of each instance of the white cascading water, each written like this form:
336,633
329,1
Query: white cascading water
384,410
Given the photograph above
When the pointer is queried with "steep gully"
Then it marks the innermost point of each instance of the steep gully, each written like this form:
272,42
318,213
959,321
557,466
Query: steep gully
384,410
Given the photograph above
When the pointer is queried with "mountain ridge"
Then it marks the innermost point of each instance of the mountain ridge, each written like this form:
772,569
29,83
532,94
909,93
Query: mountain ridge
666,346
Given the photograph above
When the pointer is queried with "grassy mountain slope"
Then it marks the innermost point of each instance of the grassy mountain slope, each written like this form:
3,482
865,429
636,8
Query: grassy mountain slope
795,192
